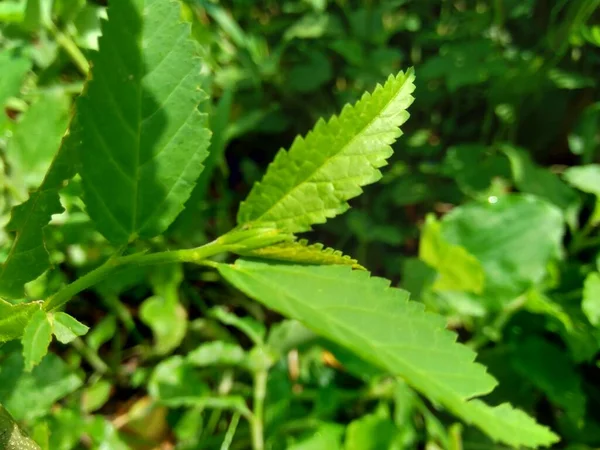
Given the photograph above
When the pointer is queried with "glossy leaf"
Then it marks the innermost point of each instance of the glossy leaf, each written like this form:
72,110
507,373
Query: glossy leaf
143,139
314,179
380,325
585,178
36,339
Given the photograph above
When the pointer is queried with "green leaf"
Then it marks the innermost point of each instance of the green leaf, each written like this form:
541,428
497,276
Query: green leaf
591,298
67,328
302,252
31,395
585,178
168,322
143,139
162,312
217,353
504,235
380,325
458,269
37,137
327,436
11,436
14,318
313,180
36,339
28,257
370,432
14,69
102,332
175,382
532,179
96,395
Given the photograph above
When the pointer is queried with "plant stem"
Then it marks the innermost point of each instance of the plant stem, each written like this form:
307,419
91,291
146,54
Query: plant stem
492,332
230,431
260,392
71,48
90,356
93,277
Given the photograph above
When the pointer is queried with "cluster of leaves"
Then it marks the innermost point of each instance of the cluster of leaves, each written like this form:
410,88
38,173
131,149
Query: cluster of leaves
488,216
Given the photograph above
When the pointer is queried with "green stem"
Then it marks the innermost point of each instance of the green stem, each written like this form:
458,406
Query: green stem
90,356
93,277
71,48
260,392
230,431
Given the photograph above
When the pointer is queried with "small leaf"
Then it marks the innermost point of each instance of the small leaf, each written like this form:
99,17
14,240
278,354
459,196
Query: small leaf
591,298
381,326
249,326
36,339
96,395
314,179
144,138
175,382
303,252
14,69
67,328
167,320
585,178
217,353
14,318
458,269
102,332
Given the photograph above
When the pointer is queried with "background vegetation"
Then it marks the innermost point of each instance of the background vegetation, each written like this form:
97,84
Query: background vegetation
488,214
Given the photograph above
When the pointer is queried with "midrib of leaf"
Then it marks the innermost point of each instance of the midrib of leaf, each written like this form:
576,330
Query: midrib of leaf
502,423
146,79
350,114
416,376
341,154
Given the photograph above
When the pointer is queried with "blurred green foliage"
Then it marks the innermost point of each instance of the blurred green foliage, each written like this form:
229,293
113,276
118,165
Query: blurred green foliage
488,214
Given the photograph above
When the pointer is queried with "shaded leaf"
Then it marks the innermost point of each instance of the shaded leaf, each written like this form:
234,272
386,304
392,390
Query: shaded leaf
175,382
370,432
143,138
313,180
31,395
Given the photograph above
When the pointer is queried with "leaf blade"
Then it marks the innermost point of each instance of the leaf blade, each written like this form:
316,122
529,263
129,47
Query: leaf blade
142,128
36,339
314,179
379,324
